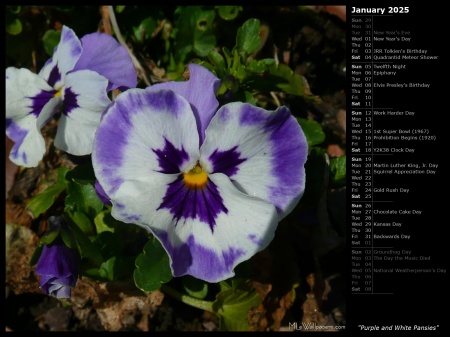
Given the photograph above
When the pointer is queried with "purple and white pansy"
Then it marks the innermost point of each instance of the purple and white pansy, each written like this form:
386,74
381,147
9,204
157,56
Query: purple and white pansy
77,79
210,183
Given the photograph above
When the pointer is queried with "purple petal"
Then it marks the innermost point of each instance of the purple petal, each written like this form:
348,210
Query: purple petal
103,54
58,260
200,91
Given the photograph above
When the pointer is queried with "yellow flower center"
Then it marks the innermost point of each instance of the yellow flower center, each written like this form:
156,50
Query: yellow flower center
195,178
58,93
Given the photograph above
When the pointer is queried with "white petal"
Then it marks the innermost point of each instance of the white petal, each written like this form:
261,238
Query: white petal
85,100
208,251
65,56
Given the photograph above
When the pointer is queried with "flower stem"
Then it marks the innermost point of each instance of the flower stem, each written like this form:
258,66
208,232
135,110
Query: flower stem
194,302
136,63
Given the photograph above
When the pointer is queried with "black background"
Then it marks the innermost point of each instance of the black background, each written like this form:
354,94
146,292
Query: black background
416,299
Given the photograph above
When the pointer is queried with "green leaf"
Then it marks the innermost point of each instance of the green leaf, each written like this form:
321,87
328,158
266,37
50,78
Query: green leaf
119,9
205,64
83,198
247,39
224,285
203,44
286,80
107,269
195,287
82,220
14,9
194,32
338,168
249,98
116,268
14,26
312,130
152,267
259,66
104,222
51,39
36,255
232,306
50,235
219,63
82,174
228,12
145,29
228,56
238,69
86,248
68,238
228,84
44,200
109,244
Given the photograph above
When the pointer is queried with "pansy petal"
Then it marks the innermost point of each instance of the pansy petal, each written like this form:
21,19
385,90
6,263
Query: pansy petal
29,105
85,99
29,145
200,91
104,55
204,246
59,291
143,134
26,93
263,152
65,56
247,227
57,260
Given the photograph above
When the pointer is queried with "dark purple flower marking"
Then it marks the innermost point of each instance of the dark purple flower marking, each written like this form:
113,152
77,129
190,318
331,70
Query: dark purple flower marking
226,162
70,101
203,203
170,158
54,76
39,101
